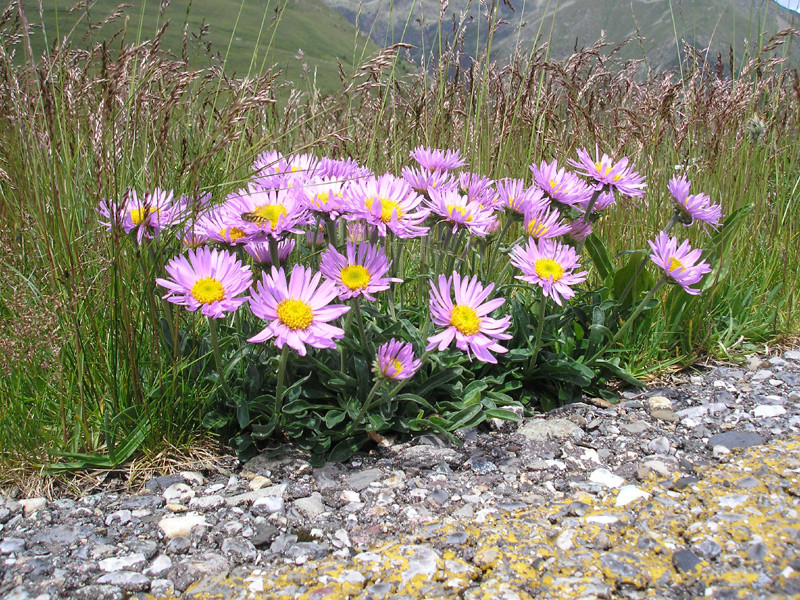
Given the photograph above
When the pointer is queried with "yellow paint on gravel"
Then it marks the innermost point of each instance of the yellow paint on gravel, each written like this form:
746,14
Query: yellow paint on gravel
516,551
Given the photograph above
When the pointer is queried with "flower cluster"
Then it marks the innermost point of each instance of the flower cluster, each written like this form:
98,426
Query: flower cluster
354,220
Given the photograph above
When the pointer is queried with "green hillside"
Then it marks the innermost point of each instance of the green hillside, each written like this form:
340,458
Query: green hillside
568,25
246,36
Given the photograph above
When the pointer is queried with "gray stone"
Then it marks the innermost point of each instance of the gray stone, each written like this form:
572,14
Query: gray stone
12,545
159,566
792,355
127,581
98,592
119,516
736,439
660,445
131,562
426,456
310,506
624,566
634,428
190,570
707,549
269,505
685,560
239,549
457,539
250,497
361,479
540,430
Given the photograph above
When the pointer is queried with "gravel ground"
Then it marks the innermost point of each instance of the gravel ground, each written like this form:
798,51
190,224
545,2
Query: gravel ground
689,490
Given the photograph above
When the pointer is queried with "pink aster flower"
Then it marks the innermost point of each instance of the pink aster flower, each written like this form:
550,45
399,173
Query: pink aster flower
561,185
267,213
147,215
580,229
361,273
396,360
467,320
679,262
478,188
695,206
323,197
222,225
275,171
343,170
513,195
549,264
209,280
545,222
261,253
461,212
617,176
437,160
298,311
387,202
424,181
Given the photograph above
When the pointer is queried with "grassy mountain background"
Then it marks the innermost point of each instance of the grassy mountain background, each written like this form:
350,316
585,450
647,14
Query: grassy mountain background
304,38
568,25
308,39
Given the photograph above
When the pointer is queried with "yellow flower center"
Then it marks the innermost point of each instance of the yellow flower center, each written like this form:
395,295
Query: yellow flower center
537,229
271,212
617,177
547,268
599,167
321,198
355,277
397,366
465,319
295,314
208,290
554,186
138,215
387,208
233,232
674,263
452,208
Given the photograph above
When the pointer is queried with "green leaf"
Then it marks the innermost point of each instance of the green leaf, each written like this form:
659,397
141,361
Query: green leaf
501,413
346,448
438,379
472,393
334,417
619,372
600,256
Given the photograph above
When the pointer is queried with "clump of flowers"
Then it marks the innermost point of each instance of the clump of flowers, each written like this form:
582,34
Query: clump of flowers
315,230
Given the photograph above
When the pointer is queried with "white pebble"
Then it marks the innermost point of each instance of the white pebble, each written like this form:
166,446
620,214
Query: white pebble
630,493
606,478
768,411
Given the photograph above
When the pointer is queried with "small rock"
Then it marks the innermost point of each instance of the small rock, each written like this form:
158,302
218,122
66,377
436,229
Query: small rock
361,479
258,482
635,428
311,506
131,562
736,439
606,478
12,545
127,581
660,445
31,505
665,415
659,403
685,560
239,549
269,505
160,565
540,430
180,526
628,494
766,411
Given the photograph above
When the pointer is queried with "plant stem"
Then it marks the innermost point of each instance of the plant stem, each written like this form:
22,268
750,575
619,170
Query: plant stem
360,320
212,326
631,319
281,376
587,215
274,254
365,407
537,345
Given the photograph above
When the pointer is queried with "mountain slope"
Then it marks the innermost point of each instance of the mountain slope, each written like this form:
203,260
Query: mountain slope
716,25
247,36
